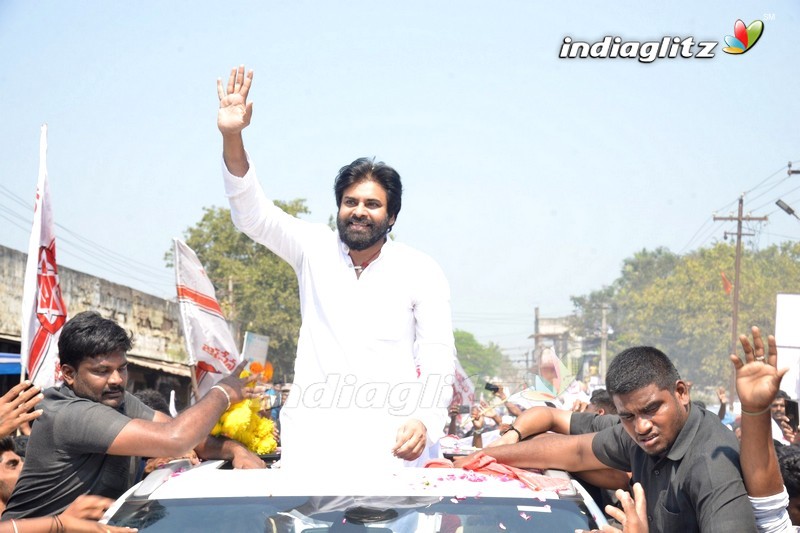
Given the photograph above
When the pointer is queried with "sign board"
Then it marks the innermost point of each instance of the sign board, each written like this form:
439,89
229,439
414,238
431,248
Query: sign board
787,337
255,347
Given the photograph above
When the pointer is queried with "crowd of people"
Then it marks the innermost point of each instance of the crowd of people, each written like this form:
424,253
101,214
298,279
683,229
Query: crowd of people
376,317
683,466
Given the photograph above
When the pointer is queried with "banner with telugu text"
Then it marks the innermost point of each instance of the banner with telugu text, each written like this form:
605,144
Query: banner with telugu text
209,341
43,309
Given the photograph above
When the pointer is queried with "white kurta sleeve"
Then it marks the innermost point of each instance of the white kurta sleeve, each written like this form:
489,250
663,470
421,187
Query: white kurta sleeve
260,219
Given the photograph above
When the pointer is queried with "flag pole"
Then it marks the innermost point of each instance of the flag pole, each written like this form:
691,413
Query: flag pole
211,350
189,348
43,309
195,392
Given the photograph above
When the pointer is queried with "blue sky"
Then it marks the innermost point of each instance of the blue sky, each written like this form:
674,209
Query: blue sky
528,177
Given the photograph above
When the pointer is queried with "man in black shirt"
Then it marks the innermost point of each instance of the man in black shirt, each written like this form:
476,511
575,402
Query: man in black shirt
687,462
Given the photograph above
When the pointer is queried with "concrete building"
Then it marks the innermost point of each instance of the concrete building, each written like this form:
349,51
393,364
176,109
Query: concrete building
158,358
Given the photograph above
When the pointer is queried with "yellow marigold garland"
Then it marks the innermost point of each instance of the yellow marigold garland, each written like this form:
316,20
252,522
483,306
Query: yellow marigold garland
242,422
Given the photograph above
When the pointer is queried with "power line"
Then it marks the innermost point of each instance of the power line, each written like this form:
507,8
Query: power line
707,229
86,250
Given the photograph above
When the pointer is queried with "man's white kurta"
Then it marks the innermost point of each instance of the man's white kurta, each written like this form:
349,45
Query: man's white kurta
373,351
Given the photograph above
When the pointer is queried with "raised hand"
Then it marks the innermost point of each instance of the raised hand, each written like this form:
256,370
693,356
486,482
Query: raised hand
757,378
477,417
234,110
16,405
579,406
722,395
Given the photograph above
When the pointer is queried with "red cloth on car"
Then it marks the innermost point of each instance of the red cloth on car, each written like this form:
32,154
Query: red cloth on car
484,464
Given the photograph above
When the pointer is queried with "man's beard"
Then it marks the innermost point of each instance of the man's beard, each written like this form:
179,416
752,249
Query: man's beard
361,240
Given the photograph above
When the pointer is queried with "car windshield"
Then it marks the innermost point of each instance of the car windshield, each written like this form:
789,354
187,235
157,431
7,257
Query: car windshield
287,514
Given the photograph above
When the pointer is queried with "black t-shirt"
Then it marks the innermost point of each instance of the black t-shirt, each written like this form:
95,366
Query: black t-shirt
696,486
66,454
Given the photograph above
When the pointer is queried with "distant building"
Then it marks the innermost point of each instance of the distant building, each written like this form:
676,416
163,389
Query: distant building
557,333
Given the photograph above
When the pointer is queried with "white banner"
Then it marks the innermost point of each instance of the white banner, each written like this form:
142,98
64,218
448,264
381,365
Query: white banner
255,348
209,341
463,388
43,310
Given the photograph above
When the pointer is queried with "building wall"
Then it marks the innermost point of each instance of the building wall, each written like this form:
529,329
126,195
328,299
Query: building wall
154,322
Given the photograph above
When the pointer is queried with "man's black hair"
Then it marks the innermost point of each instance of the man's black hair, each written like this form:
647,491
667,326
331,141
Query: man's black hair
639,367
789,459
782,394
153,399
87,335
6,444
366,169
602,400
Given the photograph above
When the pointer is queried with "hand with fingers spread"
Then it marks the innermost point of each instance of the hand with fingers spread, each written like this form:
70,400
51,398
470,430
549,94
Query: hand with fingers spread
234,110
411,439
16,407
757,378
757,383
632,516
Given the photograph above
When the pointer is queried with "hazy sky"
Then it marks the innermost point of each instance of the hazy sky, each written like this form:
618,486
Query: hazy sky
530,178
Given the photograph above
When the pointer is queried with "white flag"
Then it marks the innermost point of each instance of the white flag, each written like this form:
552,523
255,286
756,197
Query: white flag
209,341
43,309
463,389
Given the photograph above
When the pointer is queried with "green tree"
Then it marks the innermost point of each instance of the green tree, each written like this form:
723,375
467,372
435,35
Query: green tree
478,361
677,303
264,297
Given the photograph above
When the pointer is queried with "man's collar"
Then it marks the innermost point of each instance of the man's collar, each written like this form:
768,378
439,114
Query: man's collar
686,436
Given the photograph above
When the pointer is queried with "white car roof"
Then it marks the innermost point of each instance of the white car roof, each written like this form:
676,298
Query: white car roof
209,481
181,481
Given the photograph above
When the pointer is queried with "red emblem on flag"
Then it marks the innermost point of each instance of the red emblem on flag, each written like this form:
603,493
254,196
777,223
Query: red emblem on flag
50,309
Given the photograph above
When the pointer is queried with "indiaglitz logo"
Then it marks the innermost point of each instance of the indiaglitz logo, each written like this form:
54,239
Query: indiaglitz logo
743,39
670,47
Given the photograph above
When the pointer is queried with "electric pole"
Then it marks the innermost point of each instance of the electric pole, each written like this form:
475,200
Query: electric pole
603,343
735,314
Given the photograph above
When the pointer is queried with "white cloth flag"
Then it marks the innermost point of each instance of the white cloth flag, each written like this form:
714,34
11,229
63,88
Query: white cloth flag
463,389
43,310
209,341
